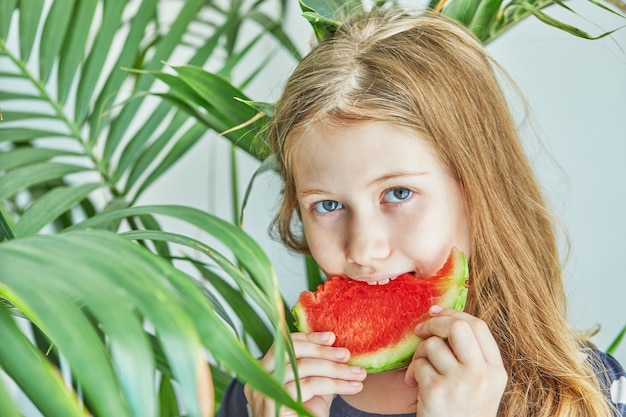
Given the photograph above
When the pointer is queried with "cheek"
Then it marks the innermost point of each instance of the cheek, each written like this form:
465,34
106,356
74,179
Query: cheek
316,238
462,234
428,241
463,238
326,254
324,245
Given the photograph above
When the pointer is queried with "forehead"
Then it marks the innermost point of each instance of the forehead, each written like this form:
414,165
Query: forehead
367,149
328,128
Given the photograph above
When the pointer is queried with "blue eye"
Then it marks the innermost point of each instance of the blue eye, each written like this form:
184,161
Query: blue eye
327,206
397,195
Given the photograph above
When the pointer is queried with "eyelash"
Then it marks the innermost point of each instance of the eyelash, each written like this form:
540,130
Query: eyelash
321,207
409,193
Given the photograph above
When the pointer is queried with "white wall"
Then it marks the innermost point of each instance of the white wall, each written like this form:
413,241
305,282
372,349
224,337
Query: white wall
577,90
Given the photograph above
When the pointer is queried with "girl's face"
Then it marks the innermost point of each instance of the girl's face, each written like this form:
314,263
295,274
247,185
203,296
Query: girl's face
375,202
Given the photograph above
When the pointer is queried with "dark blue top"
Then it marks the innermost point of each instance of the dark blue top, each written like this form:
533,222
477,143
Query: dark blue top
614,386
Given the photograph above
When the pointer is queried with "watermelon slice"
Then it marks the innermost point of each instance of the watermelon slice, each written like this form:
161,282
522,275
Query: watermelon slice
376,322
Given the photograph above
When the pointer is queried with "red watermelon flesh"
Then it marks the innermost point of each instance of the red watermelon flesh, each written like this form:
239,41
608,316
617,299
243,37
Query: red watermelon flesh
376,322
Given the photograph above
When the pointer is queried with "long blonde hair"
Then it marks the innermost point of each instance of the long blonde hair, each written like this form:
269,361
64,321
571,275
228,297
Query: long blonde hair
429,74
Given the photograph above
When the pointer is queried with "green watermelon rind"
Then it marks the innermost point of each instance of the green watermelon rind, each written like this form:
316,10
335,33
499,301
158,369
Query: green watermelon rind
378,362
456,297
375,362
301,325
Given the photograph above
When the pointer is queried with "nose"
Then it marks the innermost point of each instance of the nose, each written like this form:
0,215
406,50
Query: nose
367,239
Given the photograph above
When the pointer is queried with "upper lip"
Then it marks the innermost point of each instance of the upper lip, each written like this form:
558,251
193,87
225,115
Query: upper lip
379,279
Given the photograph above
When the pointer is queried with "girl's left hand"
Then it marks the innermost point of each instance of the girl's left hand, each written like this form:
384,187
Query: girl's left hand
461,376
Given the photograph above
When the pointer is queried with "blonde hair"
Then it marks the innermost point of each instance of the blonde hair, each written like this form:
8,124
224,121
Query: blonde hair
429,74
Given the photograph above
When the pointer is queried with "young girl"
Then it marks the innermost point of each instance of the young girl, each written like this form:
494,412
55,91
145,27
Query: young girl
395,144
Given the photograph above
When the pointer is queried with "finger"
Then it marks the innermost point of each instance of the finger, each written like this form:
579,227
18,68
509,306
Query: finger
438,353
315,345
487,342
310,367
420,370
320,338
480,340
480,329
319,378
466,335
260,405
318,406
321,386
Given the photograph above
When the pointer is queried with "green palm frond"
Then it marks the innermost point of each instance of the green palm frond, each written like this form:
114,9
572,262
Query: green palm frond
83,70
487,19
98,316
81,139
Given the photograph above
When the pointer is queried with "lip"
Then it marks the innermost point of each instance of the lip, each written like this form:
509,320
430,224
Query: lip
381,279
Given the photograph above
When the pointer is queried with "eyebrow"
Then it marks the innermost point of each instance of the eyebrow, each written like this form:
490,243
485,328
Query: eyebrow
398,174
307,193
384,178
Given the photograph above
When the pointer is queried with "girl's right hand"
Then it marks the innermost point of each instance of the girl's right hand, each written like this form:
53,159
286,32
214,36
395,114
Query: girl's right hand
323,373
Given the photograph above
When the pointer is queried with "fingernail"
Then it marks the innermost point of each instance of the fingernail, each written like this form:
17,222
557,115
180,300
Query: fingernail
325,336
419,326
436,309
356,369
339,353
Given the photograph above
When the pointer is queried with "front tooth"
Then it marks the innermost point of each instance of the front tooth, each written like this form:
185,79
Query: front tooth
379,282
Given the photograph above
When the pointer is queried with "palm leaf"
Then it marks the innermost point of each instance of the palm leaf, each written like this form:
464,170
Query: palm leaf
87,119
117,282
617,341
30,155
28,24
127,155
461,10
217,104
184,143
524,8
53,32
6,232
50,206
74,45
262,287
252,324
244,248
488,19
163,49
322,15
23,363
94,62
6,9
484,18
79,341
24,177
